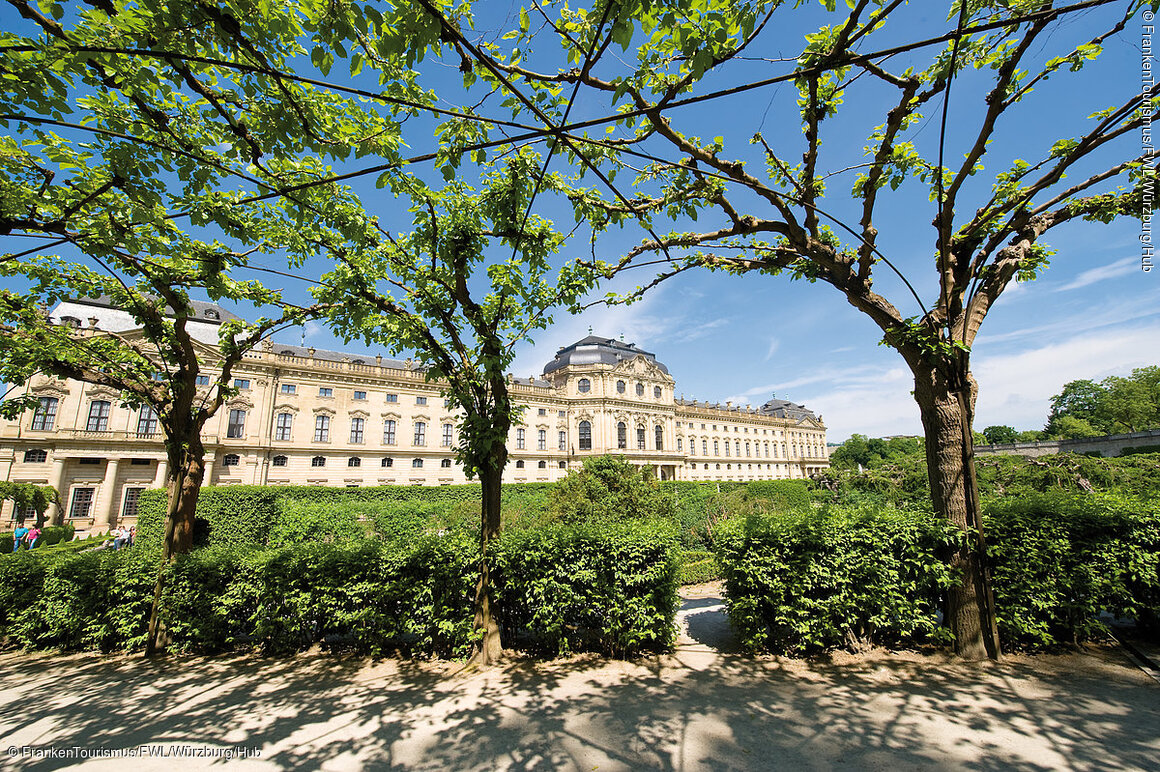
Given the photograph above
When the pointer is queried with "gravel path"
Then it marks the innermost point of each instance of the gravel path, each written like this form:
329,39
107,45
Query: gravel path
697,709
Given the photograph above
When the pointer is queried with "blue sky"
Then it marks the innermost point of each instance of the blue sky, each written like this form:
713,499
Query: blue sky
1093,313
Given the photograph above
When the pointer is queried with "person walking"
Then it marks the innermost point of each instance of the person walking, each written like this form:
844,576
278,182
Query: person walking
33,535
18,535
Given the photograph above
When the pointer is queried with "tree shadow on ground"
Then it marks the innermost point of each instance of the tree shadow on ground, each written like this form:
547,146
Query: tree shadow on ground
693,710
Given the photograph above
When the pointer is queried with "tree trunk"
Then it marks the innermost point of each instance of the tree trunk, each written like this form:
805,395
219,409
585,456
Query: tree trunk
490,646
945,393
184,485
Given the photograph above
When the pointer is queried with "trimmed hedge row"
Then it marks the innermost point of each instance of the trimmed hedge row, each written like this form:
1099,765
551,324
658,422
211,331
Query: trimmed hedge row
244,514
1058,560
698,567
820,579
578,588
842,575
610,587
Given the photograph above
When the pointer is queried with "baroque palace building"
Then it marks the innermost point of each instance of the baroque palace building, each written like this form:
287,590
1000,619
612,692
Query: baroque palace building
304,416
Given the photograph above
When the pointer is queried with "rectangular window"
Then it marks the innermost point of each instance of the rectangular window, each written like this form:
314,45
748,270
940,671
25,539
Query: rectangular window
45,416
563,413
98,416
704,447
640,438
679,444
716,448
519,439
360,395
147,422
388,432
447,431
236,428
420,400
322,428
241,383
289,388
202,380
392,398
285,423
564,441
356,431
726,448
132,497
82,502
543,411
420,433
324,391
542,439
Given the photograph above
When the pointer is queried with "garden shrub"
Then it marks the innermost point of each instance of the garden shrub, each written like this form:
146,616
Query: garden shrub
1059,559
780,495
609,587
818,579
698,567
608,488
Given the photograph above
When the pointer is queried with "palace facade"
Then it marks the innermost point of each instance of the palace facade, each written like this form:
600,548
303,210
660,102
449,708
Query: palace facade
304,416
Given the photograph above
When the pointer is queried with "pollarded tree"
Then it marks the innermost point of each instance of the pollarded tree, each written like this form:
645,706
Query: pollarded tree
145,141
772,220
473,279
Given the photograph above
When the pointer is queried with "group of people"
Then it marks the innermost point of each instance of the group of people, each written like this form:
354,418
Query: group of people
122,537
25,537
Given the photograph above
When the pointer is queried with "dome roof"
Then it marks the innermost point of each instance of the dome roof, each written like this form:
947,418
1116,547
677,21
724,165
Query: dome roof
594,350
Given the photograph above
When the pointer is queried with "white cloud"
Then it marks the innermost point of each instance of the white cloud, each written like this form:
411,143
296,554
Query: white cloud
1128,265
1078,322
774,343
1016,389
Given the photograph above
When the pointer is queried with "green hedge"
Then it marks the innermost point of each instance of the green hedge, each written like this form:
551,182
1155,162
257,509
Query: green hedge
819,579
780,495
1058,560
698,567
608,589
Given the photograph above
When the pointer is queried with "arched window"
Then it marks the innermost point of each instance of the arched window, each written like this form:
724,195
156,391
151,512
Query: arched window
445,463
70,321
35,456
640,390
388,462
679,448
542,465
659,431
520,464
318,461
356,430
620,387
354,461
322,428
520,439
448,431
656,392
98,416
640,438
280,461
585,435
420,433
416,463
212,314
584,386
231,459
388,432
44,418
621,435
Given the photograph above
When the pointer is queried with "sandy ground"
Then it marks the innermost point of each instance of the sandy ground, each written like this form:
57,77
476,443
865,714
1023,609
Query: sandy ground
697,709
